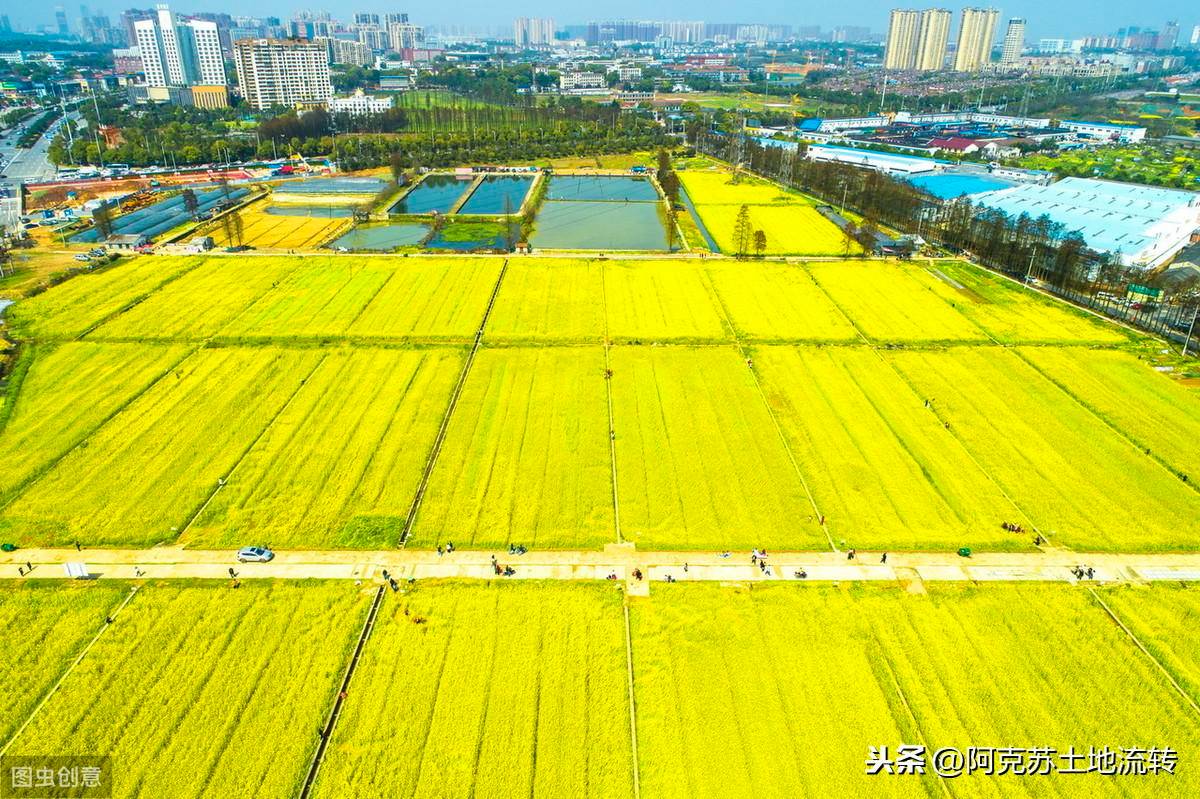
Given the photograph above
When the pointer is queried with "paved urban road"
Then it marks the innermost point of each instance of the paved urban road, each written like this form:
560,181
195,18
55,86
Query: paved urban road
22,166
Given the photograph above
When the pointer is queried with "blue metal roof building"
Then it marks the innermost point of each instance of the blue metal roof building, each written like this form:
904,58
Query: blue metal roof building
1144,225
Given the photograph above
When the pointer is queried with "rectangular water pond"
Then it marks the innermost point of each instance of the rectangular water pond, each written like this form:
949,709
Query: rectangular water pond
469,236
332,186
599,225
435,193
600,187
380,238
315,211
498,194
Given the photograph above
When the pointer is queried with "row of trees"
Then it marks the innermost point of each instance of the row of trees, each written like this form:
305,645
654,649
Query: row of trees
430,129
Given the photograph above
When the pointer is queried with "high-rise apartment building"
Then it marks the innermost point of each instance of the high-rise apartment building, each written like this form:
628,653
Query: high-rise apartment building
533,32
901,49
1014,41
917,39
975,37
1169,38
403,35
932,38
1195,40
177,53
282,72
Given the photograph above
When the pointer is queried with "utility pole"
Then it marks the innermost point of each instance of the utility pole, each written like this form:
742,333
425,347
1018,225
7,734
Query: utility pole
1029,271
1187,341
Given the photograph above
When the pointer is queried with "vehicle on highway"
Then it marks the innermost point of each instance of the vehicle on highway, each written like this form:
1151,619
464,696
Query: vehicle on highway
83,257
254,555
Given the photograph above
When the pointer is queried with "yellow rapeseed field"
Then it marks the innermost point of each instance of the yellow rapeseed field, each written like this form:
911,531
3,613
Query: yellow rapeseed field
788,219
774,691
43,626
700,462
200,394
526,456
503,691
264,231
196,683
339,467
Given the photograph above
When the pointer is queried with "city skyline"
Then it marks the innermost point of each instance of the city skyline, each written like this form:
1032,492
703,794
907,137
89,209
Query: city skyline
1067,20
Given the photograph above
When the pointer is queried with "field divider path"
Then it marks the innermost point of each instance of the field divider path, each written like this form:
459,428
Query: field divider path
16,491
740,343
444,426
612,423
335,711
874,347
633,738
1145,651
108,622
1104,420
248,449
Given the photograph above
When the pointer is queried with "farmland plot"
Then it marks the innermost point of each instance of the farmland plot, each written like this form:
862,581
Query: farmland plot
201,302
778,302
277,231
788,219
204,691
138,480
430,298
1164,618
73,307
1010,313
661,301
961,658
321,299
1155,411
888,304
1082,483
64,392
512,690
549,300
780,692
526,455
43,627
794,229
881,467
715,187
762,693
340,466
700,463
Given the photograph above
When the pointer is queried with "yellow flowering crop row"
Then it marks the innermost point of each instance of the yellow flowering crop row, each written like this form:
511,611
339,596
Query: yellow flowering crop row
64,392
73,307
204,691
1083,483
777,691
140,477
526,455
700,462
500,691
339,467
42,628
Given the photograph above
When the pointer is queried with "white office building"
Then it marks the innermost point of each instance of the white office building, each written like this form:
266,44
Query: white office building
282,72
360,104
178,53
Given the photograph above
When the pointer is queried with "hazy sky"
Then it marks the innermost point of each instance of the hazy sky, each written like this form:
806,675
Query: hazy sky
1065,18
